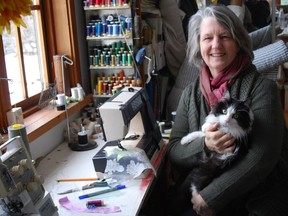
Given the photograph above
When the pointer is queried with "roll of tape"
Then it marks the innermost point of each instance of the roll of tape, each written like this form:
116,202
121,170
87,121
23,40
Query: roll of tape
19,130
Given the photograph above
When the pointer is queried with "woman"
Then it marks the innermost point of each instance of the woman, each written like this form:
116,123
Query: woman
258,183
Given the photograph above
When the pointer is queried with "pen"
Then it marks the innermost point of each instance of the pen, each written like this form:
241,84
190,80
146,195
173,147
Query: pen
118,187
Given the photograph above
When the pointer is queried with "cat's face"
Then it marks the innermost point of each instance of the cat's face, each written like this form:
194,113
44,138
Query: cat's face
234,113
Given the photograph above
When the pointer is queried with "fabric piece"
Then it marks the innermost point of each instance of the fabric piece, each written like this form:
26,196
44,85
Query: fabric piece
123,165
271,56
175,41
67,204
214,88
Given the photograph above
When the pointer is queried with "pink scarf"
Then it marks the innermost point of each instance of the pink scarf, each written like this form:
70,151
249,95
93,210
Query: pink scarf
214,88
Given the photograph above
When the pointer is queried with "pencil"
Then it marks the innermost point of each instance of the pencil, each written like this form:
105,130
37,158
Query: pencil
76,179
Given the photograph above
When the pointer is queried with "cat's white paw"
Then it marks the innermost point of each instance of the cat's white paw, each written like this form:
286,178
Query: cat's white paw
193,188
191,136
185,140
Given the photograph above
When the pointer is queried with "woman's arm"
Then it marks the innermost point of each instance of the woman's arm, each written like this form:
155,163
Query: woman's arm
187,120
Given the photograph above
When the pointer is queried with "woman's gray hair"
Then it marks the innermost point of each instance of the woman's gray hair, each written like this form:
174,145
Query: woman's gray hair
227,19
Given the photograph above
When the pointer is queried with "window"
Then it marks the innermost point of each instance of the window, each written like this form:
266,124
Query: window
26,55
25,60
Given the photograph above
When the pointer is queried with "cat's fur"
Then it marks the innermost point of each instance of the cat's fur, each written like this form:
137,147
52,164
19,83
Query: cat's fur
237,122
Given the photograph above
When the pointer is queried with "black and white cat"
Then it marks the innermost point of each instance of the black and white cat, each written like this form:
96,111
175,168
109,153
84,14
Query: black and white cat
235,118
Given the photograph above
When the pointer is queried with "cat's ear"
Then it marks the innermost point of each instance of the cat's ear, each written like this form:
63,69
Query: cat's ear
226,95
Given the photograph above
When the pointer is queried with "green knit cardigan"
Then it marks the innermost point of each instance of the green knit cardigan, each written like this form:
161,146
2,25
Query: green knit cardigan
259,180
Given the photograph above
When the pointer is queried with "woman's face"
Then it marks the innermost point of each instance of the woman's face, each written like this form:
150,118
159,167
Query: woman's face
218,48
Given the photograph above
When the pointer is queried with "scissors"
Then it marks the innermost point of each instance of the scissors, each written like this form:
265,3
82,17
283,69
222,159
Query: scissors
85,187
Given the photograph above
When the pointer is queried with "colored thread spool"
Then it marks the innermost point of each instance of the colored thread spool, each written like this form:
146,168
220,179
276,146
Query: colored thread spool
102,60
91,60
121,74
123,27
129,59
124,59
105,84
118,59
99,29
104,28
91,3
97,3
107,60
97,128
94,203
124,45
114,2
100,84
109,88
82,137
113,60
88,31
118,45
96,60
110,29
115,29
102,3
93,30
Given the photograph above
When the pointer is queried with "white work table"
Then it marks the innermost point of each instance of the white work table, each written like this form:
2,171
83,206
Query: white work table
65,163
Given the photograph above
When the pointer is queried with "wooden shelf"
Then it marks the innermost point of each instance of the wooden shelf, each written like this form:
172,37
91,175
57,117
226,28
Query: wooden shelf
127,6
91,38
45,119
110,67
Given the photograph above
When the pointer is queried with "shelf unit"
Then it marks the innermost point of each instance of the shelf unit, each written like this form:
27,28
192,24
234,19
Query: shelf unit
113,38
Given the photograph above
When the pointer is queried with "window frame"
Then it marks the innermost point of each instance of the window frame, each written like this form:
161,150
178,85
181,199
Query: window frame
56,15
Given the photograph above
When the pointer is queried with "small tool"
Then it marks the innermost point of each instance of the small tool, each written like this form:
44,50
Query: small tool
85,187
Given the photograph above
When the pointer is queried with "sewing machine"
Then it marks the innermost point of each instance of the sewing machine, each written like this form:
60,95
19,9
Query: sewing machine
128,119
21,189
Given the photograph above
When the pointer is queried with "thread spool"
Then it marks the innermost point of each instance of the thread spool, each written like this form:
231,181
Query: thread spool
80,93
19,130
98,128
61,101
94,203
82,137
74,93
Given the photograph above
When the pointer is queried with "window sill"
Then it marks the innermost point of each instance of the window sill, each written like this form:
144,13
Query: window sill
40,122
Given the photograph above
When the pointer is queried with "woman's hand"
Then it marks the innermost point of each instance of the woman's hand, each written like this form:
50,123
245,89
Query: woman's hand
200,206
218,141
